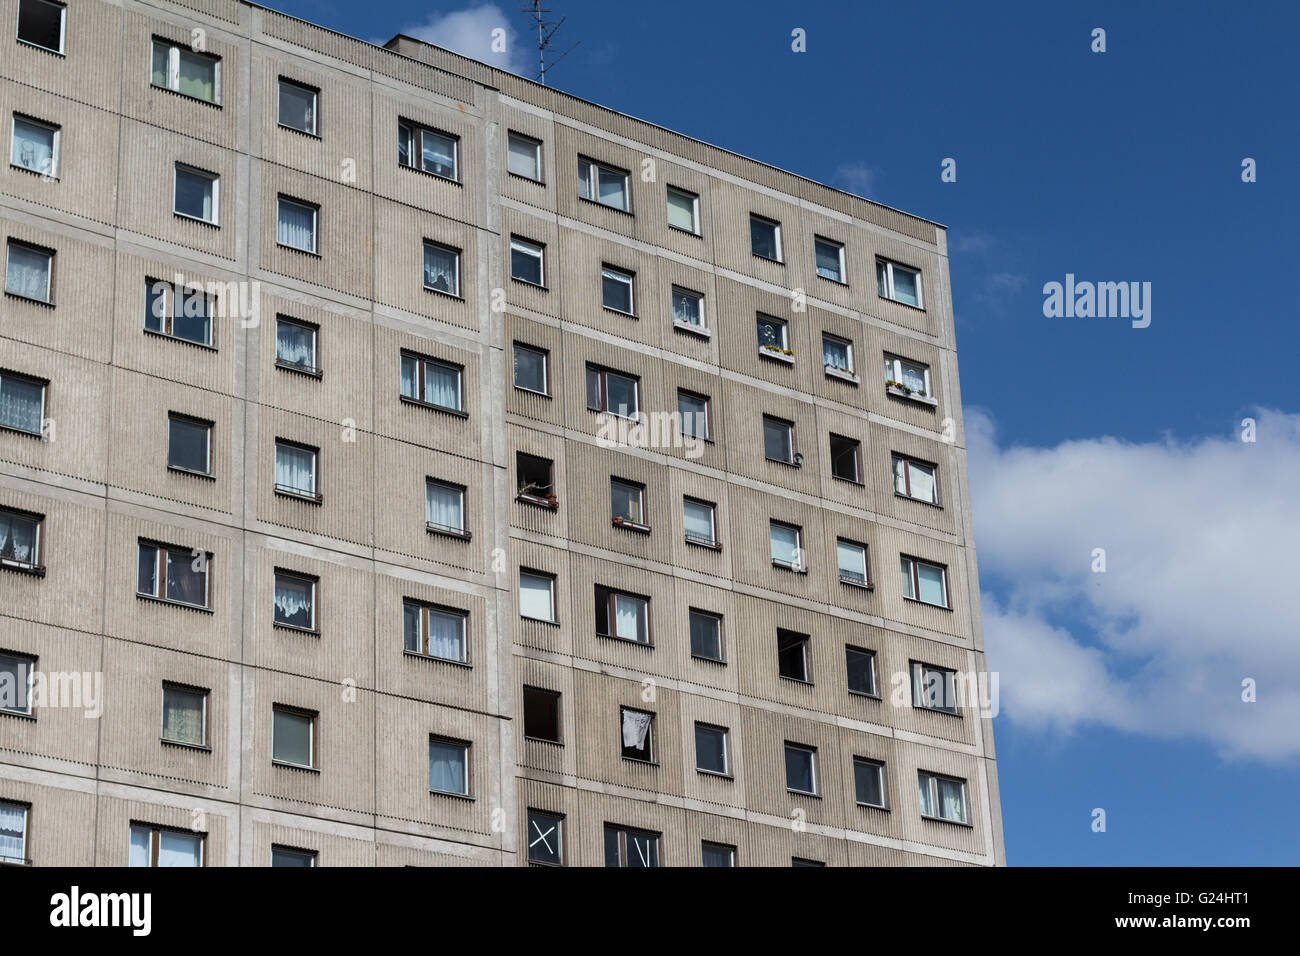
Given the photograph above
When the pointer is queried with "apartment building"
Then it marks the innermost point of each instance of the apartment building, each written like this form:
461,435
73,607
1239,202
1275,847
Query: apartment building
403,463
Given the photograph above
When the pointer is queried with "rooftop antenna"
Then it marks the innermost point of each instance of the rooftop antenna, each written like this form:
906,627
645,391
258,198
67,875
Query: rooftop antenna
545,30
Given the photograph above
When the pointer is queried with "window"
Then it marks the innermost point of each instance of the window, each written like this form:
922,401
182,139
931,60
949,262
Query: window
898,282
625,846
530,369
542,714
616,290
425,149
683,210
800,768
638,734
441,268
934,688
432,631
449,766
609,391
295,224
852,558
787,545
698,517
869,782
792,655
778,440
177,575
184,715
295,470
524,156
606,185
688,308
712,750
526,261
35,146
431,382
196,194
189,444
295,600
41,23
846,458
706,635
185,71
717,854
765,238
622,615
545,838
22,402
13,833
444,507
911,378
20,540
536,478
924,582
163,846
178,312
693,410
297,106
830,258
295,345
17,671
942,798
837,354
627,503
861,667
772,335
537,596
289,856
915,479
29,272
293,737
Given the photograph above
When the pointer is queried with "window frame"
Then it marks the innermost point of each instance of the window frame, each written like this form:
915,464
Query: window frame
633,487
435,528
174,51
537,149
170,299
422,363
879,766
314,370
546,363
623,833
31,661
919,672
795,458
160,551
651,737
896,363
701,327
424,267
26,809
311,579
50,255
706,401
558,819
814,769
713,523
550,583
888,266
839,248
414,134
602,373
63,27
795,564
866,583
528,247
833,370
783,349
930,779
467,750
625,276
908,462
203,692
55,143
281,200
283,80
207,426
284,491
775,225
784,643
914,564
556,699
303,852
610,603
313,739
874,693
155,840
38,544
213,178
695,209
590,181
725,733
720,621
856,444
730,849
425,636
44,386
542,501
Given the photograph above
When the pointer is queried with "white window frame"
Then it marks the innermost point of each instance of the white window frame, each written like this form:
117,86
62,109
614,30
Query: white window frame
30,380
908,463
311,719
875,678
280,202
589,180
55,141
784,345
278,573
213,178
839,248
636,491
789,434
424,273
513,136
726,749
155,841
207,432
879,766
546,363
314,368
930,780
796,562
889,265
847,577
63,26
618,275
639,602
848,353
49,254
422,363
315,106
914,583
813,762
713,521
677,290
920,673
31,663
531,249
168,318
311,855
550,586
26,809
415,133
174,51
708,419
894,371
776,230
313,494
695,209
604,373
185,689
466,749
429,483
427,610
558,819
722,635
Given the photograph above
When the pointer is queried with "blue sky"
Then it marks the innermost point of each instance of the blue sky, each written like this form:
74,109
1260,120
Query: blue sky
1119,690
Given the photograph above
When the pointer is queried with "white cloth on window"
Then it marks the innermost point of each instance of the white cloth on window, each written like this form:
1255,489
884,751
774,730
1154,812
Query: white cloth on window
295,469
13,824
445,506
296,226
636,726
28,273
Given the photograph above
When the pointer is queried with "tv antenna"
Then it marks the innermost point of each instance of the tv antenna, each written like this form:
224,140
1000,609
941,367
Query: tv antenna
546,29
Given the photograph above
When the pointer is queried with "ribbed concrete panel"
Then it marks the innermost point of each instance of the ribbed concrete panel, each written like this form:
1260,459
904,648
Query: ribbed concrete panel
330,848
551,296
746,407
582,257
401,68
754,634
90,69
698,244
679,339
599,704
314,39
644,659
74,410
751,547
563,801
821,323
570,143
457,199
737,332
71,590
885,442
859,495
857,284
58,821
545,408
716,561
931,318
855,530
893,674
712,451
591,472
399,248
456,434
954,836
732,207
232,11
597,809
877,344
554,636
534,193
895,542
116,815
60,735
546,755
778,846
457,854
872,854
644,367
722,790
529,515
722,675
858,816
765,735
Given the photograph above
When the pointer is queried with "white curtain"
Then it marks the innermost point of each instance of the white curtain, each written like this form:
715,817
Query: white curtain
33,147
21,404
446,635
13,826
951,804
927,807
441,385
445,506
686,308
17,538
900,476
295,344
699,521
440,269
198,76
613,189
295,469
922,483
914,378
28,273
178,849
681,211
629,618
834,355
535,598
523,158
410,377
852,560
183,716
293,602
446,767
636,725
296,226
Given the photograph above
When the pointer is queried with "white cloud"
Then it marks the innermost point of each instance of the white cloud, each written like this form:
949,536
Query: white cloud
470,32
856,178
1201,544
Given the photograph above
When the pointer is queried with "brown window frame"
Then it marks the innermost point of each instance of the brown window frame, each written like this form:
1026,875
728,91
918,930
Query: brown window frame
610,602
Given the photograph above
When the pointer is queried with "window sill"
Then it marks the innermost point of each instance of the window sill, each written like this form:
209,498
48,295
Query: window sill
862,693
532,391
797,462
530,283
44,49
22,431
689,232
543,740
191,473
716,773
613,311
937,710
630,525
831,279
186,96
912,396
305,497
18,296
447,532
919,501
300,132
937,607
951,823
709,660
180,604
282,626
456,296
759,255
311,253
447,793
842,375
691,329
182,745
17,713
196,219
861,585
848,481
797,680
527,179
871,806
906,305
776,356
603,205
315,373
456,412
429,658
177,338
539,620
295,766
702,543
538,502
803,793
31,570
644,763
792,568
626,640
432,175
34,172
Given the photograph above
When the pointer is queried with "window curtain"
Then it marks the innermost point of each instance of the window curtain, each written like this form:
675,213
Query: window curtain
523,158
410,377
446,767
636,727
20,404
613,188
629,618
922,484
183,717
535,598
28,273
681,211
785,544
445,506
33,147
914,378
17,538
446,635
440,269
906,566
931,580
699,521
13,825
295,345
295,469
951,805
441,385
851,560
900,476
178,849
296,226
293,602
198,76
161,69
183,582
927,806
686,308
834,355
